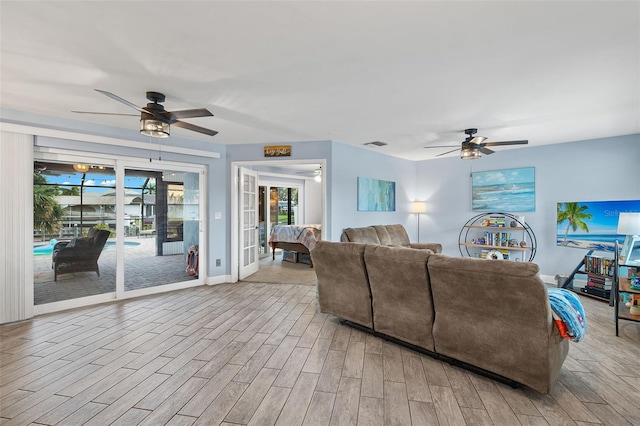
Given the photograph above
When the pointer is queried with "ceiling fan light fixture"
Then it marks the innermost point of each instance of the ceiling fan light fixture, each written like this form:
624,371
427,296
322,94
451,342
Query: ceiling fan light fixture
469,154
154,128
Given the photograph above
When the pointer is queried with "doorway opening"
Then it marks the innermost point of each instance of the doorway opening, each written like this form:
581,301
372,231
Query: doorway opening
288,193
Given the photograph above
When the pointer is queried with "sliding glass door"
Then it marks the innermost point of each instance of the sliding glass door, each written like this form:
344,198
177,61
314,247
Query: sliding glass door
106,228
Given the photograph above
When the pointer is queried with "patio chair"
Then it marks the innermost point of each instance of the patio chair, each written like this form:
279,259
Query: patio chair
80,254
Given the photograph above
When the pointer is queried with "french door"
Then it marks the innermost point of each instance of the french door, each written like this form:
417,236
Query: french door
248,223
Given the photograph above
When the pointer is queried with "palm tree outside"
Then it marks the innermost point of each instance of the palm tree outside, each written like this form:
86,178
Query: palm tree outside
47,212
575,214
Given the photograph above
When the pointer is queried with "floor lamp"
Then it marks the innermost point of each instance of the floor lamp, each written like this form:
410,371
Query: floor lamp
419,207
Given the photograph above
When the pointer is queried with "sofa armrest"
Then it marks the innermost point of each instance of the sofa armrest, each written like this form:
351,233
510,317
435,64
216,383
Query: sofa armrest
342,282
435,247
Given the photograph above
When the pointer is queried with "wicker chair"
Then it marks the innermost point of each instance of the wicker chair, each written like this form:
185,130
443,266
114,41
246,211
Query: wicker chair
79,255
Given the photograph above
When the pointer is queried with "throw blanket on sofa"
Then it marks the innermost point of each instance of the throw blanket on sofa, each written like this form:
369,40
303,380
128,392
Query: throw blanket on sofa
568,313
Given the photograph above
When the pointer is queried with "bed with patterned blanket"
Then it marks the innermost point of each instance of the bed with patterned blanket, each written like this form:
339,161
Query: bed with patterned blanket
299,238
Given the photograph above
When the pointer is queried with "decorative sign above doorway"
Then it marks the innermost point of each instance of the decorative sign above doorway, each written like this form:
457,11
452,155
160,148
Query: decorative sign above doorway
277,151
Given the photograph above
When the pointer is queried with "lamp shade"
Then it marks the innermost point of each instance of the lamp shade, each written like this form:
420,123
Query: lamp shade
629,224
419,207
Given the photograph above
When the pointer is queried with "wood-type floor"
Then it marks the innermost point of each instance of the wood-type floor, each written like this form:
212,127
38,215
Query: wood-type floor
262,354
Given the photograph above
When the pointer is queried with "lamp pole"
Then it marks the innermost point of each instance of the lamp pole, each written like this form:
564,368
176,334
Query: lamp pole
419,207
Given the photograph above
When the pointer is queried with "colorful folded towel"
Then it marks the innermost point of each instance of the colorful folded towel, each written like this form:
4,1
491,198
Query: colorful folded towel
568,313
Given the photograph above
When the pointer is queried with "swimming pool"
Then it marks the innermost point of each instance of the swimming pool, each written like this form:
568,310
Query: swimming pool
48,249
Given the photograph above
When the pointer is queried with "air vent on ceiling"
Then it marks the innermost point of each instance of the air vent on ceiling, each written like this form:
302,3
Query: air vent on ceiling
376,143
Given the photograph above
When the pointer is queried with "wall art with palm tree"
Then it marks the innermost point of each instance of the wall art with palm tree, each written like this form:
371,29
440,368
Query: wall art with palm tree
591,225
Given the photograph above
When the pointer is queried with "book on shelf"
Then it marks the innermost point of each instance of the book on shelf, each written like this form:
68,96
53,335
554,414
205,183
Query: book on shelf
600,282
499,239
598,265
496,221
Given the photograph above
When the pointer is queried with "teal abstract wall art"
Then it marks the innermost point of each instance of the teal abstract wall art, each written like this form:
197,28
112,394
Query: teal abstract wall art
376,195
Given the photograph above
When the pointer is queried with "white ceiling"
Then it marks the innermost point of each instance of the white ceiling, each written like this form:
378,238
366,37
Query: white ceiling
411,74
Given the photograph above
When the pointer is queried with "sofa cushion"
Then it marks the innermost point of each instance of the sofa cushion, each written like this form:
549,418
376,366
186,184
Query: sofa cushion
496,316
392,235
383,235
402,305
343,287
366,235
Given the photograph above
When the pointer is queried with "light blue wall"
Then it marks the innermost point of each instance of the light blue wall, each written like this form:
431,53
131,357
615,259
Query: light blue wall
344,164
350,162
604,169
601,169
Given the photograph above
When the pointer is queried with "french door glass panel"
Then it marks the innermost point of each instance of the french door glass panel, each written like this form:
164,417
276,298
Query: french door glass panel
248,222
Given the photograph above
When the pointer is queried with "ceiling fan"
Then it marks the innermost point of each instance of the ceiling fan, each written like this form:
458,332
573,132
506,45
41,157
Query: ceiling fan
316,174
155,121
472,146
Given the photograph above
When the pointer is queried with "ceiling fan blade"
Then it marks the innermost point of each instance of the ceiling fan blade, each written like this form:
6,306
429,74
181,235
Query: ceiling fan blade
478,140
486,150
523,142
195,128
119,99
188,113
105,113
440,146
448,152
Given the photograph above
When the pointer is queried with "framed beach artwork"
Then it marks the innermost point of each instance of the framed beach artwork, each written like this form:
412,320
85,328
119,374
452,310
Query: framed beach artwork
508,190
591,225
376,195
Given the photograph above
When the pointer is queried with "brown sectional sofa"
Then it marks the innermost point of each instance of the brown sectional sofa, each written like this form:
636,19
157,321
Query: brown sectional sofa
489,315
386,235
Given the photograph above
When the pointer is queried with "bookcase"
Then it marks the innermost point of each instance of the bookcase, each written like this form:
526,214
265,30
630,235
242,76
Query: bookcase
626,295
496,234
607,279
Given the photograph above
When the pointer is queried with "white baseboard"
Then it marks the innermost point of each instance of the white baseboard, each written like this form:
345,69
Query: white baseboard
548,279
220,279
